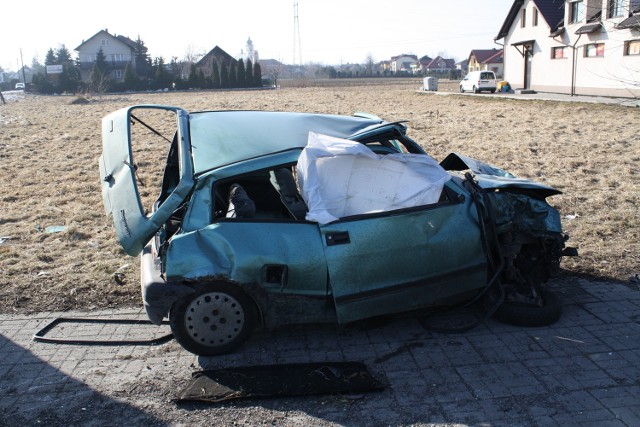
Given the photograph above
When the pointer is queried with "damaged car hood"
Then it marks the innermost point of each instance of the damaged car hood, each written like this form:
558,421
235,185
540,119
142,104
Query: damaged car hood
491,177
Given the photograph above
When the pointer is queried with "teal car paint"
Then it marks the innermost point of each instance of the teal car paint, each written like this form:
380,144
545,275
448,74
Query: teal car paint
224,248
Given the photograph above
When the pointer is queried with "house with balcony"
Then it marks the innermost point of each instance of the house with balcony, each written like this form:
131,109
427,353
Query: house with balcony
118,52
577,47
486,60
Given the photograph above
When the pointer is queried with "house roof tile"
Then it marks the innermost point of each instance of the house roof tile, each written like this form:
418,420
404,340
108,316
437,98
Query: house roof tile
484,56
551,10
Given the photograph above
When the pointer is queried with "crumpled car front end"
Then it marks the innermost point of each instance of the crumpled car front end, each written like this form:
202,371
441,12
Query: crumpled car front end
523,234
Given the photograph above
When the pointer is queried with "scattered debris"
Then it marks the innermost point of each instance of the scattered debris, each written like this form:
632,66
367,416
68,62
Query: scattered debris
574,216
55,228
4,239
120,278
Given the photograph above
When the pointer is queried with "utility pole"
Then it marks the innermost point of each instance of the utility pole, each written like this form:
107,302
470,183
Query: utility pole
24,78
297,50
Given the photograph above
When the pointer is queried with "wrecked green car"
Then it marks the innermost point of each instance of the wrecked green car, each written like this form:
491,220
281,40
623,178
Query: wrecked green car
249,219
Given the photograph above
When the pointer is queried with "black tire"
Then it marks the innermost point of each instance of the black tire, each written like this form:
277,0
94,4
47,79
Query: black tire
214,320
461,89
493,91
476,90
529,315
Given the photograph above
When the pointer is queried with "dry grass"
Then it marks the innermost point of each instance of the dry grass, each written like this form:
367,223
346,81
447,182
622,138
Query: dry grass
49,147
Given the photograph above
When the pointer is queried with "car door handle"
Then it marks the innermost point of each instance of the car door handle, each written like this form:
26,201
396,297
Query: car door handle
339,238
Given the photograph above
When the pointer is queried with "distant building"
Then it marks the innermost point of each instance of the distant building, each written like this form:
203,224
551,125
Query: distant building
215,55
463,66
249,53
118,52
439,65
421,64
486,60
403,63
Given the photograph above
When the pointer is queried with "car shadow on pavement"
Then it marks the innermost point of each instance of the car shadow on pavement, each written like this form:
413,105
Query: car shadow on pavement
34,392
582,369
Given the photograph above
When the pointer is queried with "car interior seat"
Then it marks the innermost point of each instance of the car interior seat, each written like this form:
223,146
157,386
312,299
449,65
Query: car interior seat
283,181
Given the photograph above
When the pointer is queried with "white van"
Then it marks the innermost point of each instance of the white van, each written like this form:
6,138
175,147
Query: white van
477,81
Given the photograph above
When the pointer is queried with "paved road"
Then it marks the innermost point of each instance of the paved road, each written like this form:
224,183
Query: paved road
626,102
584,370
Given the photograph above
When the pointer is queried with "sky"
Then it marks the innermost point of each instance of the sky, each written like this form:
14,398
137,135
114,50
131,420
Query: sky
332,32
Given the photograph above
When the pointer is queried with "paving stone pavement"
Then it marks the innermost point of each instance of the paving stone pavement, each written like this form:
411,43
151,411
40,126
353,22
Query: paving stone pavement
584,370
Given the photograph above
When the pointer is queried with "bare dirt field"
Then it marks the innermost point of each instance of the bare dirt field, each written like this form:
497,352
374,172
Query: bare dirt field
49,149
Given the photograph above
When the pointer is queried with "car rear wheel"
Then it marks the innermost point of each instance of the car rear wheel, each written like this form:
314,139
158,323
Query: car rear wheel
214,320
476,90
493,91
531,315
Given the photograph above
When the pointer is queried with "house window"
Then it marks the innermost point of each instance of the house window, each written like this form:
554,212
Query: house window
535,17
632,47
558,52
593,50
523,18
118,74
104,42
576,11
616,8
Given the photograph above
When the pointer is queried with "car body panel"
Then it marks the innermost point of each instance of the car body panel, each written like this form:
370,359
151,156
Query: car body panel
392,263
134,228
492,177
243,251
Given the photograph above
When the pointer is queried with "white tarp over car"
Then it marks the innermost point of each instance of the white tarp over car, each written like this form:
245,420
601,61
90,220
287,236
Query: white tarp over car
339,178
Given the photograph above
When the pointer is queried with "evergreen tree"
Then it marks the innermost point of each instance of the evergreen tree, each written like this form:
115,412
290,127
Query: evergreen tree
193,77
143,65
63,56
215,76
240,74
130,78
233,76
101,61
257,75
224,75
50,58
248,72
69,78
161,77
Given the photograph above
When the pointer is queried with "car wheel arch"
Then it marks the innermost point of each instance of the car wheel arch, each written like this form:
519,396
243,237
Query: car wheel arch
251,314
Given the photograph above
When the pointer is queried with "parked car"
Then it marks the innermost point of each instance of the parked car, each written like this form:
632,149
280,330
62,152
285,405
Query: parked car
271,218
20,86
478,81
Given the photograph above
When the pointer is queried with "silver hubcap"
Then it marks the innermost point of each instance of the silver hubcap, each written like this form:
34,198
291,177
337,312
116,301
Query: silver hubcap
214,319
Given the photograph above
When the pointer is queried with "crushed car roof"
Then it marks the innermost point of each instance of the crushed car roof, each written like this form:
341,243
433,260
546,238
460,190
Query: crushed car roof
220,138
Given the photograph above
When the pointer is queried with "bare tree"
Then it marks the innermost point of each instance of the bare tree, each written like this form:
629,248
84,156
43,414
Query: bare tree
369,64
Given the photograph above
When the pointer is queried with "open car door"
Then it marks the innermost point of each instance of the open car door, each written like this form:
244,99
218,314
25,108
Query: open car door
120,176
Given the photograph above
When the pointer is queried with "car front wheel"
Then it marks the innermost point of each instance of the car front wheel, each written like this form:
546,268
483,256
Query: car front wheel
461,89
214,320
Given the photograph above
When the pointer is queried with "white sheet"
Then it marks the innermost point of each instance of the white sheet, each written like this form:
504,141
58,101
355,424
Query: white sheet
339,178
